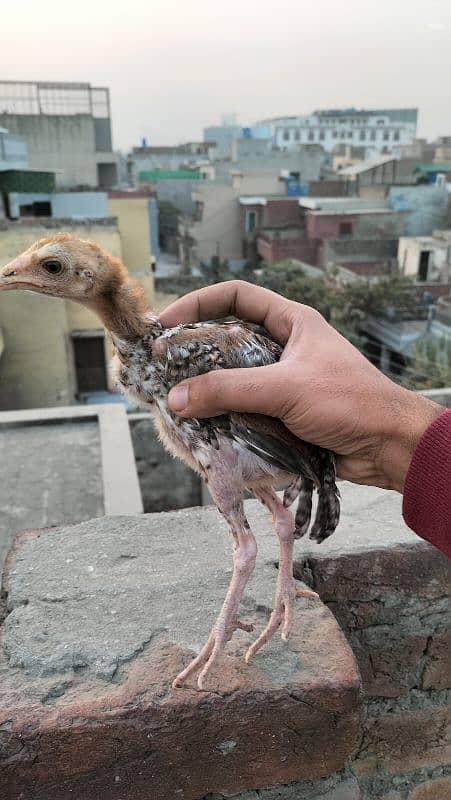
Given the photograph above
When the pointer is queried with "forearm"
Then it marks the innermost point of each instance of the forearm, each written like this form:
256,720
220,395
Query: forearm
427,487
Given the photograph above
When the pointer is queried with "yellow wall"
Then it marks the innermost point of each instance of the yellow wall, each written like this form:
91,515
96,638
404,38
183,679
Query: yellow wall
36,367
132,215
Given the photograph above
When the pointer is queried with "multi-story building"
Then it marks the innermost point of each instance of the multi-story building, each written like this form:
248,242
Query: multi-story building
378,130
66,127
56,353
361,236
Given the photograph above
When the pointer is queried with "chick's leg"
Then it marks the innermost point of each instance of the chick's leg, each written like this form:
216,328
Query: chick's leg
244,553
286,591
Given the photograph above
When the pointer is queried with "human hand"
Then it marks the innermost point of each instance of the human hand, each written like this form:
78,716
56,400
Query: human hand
323,389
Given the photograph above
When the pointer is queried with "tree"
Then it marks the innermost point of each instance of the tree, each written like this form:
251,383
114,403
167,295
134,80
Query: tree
216,270
429,364
289,279
344,305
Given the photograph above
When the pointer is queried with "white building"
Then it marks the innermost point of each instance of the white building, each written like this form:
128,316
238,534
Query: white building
381,131
427,259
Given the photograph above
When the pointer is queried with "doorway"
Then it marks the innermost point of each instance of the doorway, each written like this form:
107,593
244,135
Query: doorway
90,362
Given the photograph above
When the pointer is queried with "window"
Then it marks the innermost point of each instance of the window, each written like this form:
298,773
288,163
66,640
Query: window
251,221
386,136
396,136
380,122
286,136
322,135
423,265
39,208
345,230
373,136
362,136
297,136
349,134
311,136
334,134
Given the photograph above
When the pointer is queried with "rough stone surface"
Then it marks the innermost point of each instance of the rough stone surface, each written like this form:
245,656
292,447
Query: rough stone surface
393,602
404,740
51,474
166,483
439,789
437,672
334,787
102,615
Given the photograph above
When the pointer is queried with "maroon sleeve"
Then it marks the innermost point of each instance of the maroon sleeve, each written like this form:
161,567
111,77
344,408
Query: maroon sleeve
427,490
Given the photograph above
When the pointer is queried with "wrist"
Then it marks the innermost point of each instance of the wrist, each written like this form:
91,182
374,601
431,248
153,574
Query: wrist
411,416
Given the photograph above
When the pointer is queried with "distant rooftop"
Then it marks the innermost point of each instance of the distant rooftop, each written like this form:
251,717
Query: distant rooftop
366,166
343,205
189,148
395,114
398,336
58,97
433,168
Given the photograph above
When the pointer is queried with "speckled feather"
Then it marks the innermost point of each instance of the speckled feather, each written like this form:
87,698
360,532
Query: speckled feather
261,448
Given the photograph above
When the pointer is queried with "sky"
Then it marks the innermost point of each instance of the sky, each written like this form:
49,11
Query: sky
173,66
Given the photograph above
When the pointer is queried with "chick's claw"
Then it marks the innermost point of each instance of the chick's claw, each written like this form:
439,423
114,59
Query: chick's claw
210,652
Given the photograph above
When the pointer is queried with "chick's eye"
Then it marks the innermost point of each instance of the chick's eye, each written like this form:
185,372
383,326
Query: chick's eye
52,266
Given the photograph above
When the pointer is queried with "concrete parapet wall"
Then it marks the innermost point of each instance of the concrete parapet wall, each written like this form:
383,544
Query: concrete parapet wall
87,708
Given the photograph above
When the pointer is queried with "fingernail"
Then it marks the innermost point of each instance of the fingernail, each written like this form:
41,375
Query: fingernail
178,398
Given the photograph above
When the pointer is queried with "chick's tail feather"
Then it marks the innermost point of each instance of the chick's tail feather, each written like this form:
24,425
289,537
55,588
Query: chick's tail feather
328,508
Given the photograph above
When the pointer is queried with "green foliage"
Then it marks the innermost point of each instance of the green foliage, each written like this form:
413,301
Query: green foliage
344,305
290,280
429,364
216,271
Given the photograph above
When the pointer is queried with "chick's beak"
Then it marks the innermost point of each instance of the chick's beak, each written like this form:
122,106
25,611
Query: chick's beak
15,275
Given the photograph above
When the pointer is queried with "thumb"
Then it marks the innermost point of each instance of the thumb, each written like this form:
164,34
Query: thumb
254,390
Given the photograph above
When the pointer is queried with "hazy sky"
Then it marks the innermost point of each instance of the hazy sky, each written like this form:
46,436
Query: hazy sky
173,66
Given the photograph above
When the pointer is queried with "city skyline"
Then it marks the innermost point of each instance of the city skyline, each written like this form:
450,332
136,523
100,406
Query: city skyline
173,71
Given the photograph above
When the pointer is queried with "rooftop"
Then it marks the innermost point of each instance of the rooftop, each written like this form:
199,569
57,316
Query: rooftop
56,97
366,166
343,205
433,168
398,336
36,443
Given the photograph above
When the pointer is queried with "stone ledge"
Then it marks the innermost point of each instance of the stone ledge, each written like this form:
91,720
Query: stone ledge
102,615
390,593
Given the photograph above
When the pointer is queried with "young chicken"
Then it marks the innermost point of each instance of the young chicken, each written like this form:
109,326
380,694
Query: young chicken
231,453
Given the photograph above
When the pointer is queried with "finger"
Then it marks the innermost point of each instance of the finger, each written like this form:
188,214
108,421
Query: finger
254,390
238,299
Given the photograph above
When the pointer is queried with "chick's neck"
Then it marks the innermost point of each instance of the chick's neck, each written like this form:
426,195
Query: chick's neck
124,312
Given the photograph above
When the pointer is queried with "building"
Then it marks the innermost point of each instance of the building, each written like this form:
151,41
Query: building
55,352
134,215
223,136
65,126
13,151
378,130
421,150
370,178
214,228
361,236
259,156
166,159
427,259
